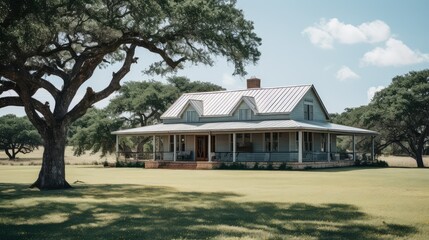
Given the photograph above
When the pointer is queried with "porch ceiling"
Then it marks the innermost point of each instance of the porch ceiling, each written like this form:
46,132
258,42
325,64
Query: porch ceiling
244,126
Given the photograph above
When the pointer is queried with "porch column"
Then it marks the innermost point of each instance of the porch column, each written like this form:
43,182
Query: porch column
300,146
233,146
209,154
154,147
117,147
354,147
372,148
174,148
329,147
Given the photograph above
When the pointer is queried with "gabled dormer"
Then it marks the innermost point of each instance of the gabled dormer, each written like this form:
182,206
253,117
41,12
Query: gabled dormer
244,109
192,111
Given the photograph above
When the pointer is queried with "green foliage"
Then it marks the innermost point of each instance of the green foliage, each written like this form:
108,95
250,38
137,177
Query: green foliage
17,135
93,132
143,102
256,166
378,163
402,111
233,166
137,104
56,46
184,85
193,30
356,117
130,164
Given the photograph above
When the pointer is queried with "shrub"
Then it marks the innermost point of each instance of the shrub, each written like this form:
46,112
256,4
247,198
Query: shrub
256,166
284,166
270,166
378,163
234,166
129,164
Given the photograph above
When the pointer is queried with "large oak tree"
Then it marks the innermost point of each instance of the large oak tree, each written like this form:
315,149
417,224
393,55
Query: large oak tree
400,113
401,110
43,41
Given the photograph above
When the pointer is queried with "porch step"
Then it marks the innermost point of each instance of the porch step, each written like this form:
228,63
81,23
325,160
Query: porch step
178,165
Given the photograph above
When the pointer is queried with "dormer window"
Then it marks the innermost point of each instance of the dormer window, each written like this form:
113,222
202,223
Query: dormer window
308,111
244,114
191,116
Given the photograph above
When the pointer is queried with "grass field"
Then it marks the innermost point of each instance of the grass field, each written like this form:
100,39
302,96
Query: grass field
118,203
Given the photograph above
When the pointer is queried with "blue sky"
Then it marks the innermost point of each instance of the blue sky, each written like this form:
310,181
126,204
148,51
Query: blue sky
347,49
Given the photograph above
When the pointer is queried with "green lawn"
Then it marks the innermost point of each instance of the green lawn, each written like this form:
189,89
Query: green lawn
118,203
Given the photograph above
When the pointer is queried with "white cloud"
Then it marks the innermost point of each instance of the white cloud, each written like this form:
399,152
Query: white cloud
345,73
324,33
372,90
319,37
395,53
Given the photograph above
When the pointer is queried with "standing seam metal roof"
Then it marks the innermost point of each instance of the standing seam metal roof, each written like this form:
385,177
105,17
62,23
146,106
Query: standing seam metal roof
221,103
244,126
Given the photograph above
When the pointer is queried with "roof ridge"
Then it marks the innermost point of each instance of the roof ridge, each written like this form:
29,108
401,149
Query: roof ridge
251,89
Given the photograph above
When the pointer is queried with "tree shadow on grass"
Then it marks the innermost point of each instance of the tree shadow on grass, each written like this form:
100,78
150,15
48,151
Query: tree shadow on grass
142,212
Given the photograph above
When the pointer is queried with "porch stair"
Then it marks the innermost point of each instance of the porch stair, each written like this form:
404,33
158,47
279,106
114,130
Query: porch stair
182,164
177,165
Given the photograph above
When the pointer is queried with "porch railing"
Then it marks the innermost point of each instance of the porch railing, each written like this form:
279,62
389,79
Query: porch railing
256,156
136,155
249,156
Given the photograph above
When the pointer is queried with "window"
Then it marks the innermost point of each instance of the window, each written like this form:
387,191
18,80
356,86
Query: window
271,142
308,111
275,140
244,114
191,116
243,142
180,143
308,141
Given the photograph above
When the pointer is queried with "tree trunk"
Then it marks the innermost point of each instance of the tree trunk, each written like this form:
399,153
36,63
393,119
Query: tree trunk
9,155
52,174
419,160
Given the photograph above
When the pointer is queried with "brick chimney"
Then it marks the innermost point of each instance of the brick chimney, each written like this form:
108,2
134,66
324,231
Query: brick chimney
253,82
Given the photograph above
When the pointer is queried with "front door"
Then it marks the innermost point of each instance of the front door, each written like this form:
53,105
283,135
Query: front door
201,148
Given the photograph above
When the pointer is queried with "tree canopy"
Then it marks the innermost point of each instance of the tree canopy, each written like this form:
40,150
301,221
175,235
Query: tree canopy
400,113
56,45
137,104
18,135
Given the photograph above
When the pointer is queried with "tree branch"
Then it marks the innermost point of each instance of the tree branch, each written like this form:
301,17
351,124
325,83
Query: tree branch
91,97
153,48
35,105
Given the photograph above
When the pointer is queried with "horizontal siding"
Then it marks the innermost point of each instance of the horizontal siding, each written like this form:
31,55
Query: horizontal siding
318,112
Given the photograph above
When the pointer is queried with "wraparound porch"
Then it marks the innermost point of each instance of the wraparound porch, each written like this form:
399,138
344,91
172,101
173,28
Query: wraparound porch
281,146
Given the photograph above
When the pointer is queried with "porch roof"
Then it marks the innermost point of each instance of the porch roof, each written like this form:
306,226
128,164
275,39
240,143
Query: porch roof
244,126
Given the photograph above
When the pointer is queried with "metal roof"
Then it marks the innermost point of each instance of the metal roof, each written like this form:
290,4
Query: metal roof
222,103
244,126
